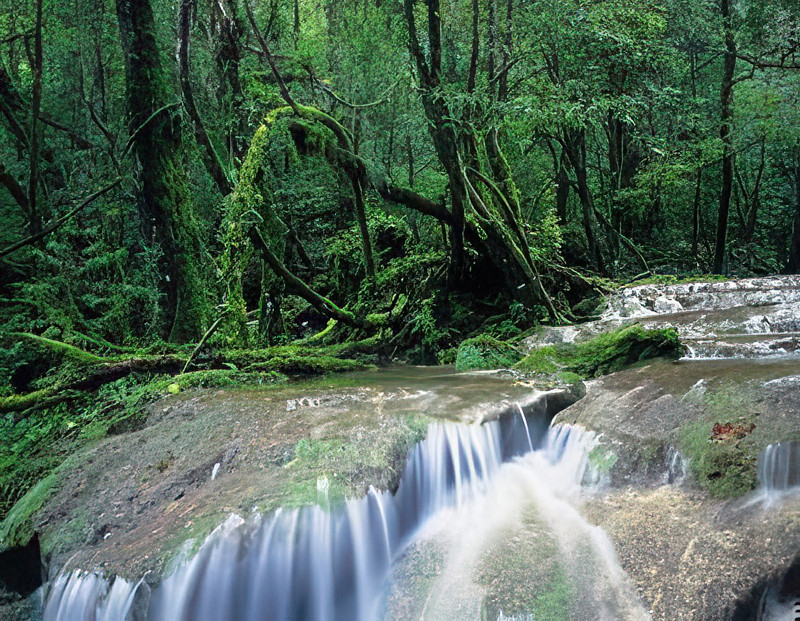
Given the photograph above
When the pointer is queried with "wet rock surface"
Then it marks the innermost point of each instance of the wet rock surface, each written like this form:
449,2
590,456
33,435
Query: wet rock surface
127,504
749,318
669,490
689,555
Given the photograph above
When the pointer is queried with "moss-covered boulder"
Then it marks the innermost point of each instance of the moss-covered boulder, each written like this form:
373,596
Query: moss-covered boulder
486,352
606,353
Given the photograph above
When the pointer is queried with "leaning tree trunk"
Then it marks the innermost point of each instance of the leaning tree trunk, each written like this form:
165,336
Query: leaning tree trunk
492,202
166,208
211,159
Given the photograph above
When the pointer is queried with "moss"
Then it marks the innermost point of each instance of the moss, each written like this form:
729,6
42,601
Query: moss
724,469
588,307
516,588
606,353
486,352
670,279
17,403
616,350
543,360
70,351
602,460
327,471
17,528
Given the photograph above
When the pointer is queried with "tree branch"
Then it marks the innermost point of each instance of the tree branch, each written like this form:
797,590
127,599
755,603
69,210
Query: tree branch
60,222
293,283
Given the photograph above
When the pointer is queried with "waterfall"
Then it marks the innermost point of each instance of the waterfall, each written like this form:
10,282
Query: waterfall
779,467
82,596
316,564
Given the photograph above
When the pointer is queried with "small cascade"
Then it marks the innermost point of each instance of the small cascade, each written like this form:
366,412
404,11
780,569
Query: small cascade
779,467
81,595
675,467
525,423
530,504
321,564
305,563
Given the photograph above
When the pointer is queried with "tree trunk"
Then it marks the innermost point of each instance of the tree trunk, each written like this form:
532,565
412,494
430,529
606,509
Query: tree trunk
34,215
575,148
793,264
210,158
228,57
496,210
562,188
726,118
360,207
166,209
698,187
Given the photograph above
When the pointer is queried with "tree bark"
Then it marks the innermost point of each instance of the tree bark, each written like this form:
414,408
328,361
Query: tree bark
229,31
793,263
167,213
726,118
575,147
322,304
698,187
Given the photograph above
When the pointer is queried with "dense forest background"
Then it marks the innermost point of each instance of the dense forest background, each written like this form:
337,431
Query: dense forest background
165,163
235,175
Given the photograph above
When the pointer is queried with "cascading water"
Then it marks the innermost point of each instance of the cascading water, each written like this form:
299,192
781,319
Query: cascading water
779,467
314,564
80,596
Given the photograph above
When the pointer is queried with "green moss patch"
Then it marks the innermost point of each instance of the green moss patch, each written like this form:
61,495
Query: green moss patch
724,469
724,464
543,591
17,528
606,353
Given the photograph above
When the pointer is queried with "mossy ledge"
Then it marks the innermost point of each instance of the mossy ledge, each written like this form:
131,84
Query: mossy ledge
604,354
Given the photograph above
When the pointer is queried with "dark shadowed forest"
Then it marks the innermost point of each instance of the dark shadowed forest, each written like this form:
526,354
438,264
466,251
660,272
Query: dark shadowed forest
219,192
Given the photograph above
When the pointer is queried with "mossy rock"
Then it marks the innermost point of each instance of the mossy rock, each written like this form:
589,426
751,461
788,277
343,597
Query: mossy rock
17,529
606,353
588,307
486,352
723,469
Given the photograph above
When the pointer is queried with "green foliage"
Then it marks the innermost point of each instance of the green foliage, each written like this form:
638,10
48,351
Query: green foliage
616,350
486,352
17,527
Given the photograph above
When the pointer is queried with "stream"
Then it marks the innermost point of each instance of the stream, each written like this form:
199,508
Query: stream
460,485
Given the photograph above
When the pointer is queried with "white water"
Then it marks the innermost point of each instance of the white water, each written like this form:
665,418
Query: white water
532,503
779,467
311,564
83,596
